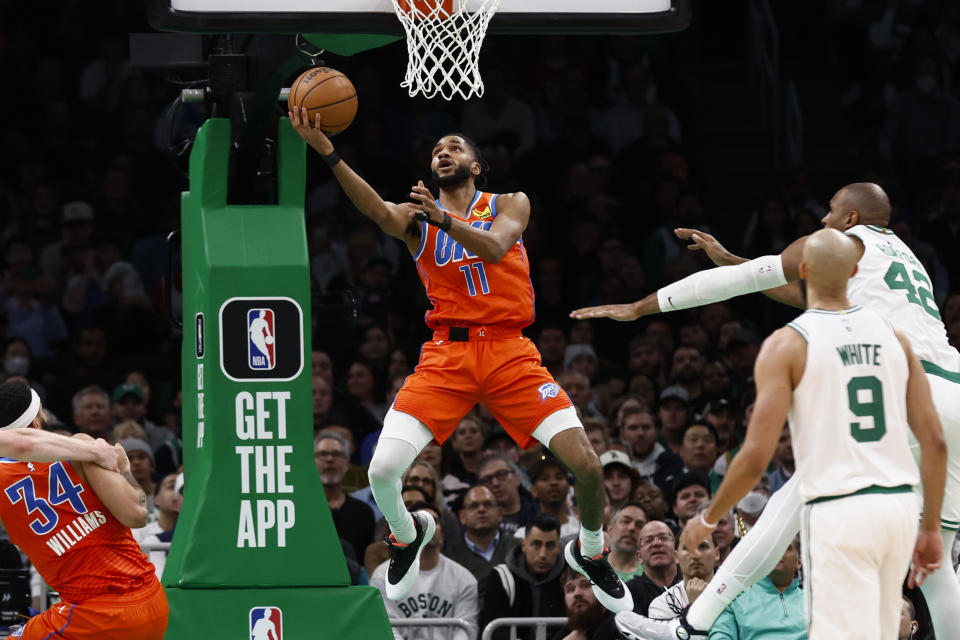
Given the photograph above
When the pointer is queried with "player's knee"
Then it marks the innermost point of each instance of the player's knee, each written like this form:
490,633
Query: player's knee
383,470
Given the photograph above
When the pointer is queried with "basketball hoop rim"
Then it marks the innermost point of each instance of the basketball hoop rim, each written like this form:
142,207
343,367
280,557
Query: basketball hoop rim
164,18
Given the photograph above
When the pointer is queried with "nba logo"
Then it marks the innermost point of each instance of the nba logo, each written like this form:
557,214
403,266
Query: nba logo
266,623
261,347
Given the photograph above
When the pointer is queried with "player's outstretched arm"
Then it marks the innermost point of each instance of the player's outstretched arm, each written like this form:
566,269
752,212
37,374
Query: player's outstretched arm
118,490
790,294
390,217
709,286
925,423
36,445
513,214
777,371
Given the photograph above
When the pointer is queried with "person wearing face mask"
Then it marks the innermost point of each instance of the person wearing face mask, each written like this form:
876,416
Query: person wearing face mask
17,360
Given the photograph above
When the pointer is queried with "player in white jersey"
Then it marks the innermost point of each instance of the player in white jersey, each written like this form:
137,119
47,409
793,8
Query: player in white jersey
848,382
862,210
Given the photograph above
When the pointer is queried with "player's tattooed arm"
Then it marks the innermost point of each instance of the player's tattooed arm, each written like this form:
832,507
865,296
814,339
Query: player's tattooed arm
136,485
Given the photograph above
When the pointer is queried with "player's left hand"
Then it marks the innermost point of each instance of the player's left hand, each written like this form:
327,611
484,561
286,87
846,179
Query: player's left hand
106,454
619,312
123,462
927,555
694,533
694,587
425,208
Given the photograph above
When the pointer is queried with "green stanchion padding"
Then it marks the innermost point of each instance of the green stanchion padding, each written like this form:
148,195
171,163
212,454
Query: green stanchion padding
307,614
254,511
255,544
347,44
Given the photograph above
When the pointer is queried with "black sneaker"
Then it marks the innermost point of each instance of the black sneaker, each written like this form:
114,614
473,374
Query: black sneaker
607,585
405,558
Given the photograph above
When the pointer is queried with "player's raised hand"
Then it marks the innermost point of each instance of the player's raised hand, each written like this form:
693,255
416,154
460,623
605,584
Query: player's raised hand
705,242
106,455
619,312
123,462
927,555
694,533
424,206
694,587
310,132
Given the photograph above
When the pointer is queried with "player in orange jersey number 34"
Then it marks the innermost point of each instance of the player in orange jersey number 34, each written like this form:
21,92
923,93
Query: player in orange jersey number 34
69,503
470,256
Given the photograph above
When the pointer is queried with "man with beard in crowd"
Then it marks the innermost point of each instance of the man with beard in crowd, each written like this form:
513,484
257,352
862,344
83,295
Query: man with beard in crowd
624,528
586,618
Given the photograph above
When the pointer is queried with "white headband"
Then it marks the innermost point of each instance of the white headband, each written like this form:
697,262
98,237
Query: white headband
28,416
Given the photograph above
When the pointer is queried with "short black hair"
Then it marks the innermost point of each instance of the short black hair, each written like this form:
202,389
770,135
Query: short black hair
543,522
425,506
689,479
479,180
15,399
701,423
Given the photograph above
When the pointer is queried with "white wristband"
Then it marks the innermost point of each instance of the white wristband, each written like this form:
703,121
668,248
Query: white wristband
704,522
722,283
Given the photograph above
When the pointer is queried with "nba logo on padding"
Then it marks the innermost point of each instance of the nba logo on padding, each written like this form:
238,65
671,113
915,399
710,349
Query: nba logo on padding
261,339
266,623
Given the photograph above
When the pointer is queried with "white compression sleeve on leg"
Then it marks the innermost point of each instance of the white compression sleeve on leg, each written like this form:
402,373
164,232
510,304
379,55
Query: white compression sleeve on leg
754,557
722,283
402,439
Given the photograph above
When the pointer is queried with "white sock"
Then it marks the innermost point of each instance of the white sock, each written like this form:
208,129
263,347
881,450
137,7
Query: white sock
942,592
754,557
591,542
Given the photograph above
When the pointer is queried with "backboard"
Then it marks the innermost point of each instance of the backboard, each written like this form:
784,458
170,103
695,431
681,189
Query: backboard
377,16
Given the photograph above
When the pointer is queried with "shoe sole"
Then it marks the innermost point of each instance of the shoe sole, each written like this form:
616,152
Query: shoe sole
624,631
609,602
402,588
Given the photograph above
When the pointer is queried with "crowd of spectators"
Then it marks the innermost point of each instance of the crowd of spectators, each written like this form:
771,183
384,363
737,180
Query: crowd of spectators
600,133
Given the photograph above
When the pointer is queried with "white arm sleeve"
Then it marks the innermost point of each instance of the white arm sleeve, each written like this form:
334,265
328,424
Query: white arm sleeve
722,283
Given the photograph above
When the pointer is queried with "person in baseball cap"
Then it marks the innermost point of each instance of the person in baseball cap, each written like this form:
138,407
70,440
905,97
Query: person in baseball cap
673,413
619,478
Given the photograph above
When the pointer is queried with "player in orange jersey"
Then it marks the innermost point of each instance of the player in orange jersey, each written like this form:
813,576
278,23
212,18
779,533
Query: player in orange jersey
70,509
469,253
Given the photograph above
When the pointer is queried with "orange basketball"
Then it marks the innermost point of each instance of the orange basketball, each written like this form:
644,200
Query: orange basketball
328,92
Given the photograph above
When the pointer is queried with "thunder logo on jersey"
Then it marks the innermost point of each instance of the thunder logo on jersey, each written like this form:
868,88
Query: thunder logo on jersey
261,347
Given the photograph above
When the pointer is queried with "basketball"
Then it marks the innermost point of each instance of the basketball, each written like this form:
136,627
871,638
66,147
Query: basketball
328,92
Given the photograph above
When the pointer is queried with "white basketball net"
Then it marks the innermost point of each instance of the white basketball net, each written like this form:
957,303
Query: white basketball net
444,52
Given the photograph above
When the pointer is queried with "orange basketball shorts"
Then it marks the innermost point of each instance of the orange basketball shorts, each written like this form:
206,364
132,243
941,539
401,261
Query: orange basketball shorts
139,616
503,373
